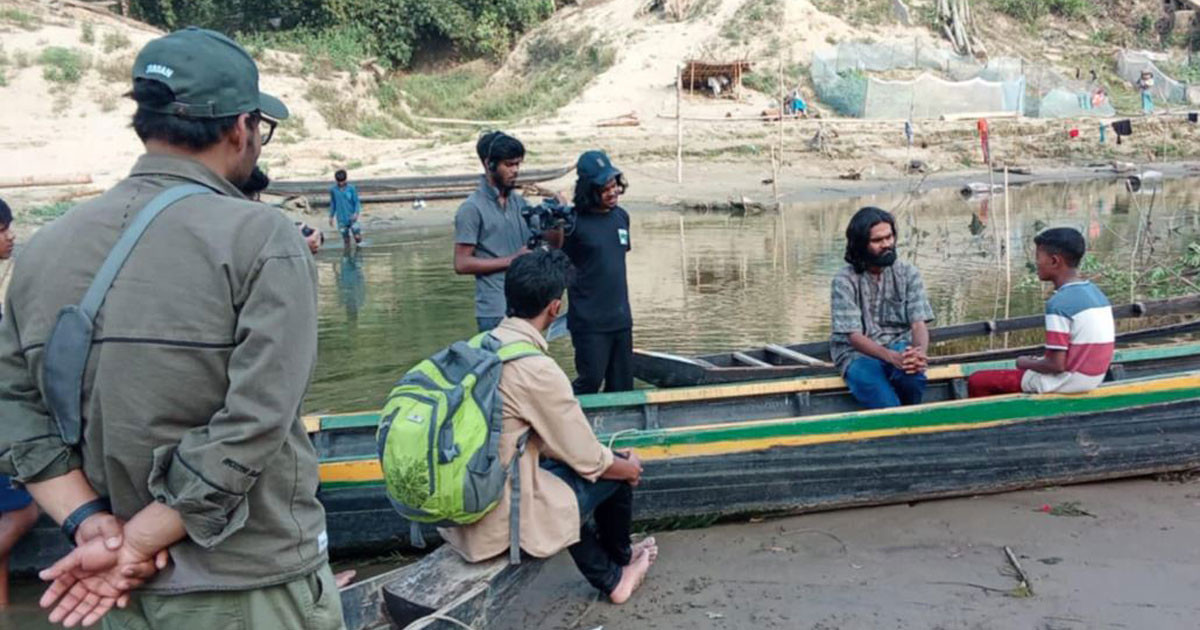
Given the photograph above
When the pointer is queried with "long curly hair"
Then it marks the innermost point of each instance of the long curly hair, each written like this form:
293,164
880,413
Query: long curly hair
858,234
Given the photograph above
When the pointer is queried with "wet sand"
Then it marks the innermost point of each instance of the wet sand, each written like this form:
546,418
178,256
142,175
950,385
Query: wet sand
1132,562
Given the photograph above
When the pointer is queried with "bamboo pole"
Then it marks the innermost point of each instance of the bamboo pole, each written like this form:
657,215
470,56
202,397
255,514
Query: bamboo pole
683,266
1007,255
679,125
782,97
1137,242
33,181
774,180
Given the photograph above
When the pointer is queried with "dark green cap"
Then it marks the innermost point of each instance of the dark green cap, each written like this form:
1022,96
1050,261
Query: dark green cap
210,74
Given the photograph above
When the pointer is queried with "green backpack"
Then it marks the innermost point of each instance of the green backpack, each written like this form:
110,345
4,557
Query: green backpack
439,438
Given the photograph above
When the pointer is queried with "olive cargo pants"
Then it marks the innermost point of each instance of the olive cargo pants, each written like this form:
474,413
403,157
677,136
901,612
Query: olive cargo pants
306,603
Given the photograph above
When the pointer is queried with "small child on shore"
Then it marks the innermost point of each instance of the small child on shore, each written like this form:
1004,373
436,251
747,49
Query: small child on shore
1079,328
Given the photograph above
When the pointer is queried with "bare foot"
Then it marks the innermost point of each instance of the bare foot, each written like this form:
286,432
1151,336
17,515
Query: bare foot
632,575
649,545
342,578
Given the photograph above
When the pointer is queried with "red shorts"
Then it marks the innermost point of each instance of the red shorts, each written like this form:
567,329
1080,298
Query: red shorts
994,382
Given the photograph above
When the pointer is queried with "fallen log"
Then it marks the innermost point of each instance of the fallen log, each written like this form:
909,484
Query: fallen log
394,185
33,181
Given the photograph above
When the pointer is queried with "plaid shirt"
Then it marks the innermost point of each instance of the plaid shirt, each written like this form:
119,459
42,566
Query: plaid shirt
883,309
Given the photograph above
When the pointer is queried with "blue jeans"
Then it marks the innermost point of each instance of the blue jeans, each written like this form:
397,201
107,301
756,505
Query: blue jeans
488,323
877,385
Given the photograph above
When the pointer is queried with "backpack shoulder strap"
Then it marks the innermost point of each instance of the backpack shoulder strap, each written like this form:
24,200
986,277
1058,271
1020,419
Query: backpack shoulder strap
507,352
120,252
518,350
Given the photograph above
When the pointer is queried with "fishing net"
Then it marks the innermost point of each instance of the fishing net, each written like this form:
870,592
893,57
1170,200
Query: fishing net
1131,64
948,83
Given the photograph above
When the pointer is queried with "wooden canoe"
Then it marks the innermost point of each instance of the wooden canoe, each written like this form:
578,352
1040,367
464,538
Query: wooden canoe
350,473
360,521
695,474
778,361
940,450
393,189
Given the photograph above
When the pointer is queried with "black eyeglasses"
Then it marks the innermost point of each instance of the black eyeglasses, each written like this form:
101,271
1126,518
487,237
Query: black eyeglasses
266,127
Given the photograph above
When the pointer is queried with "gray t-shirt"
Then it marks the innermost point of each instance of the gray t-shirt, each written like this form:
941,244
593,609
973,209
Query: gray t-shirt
495,232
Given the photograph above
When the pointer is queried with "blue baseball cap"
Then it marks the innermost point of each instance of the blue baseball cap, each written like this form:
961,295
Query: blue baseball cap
596,168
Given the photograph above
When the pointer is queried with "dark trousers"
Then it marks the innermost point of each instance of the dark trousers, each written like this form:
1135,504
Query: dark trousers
606,517
488,323
603,357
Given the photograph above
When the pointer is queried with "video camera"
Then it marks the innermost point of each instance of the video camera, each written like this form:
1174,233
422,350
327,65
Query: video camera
551,214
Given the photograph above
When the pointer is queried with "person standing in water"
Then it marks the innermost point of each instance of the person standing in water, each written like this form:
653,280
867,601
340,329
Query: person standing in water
344,209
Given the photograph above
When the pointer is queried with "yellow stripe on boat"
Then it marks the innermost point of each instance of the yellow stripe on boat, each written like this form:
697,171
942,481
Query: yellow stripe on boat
761,388
368,470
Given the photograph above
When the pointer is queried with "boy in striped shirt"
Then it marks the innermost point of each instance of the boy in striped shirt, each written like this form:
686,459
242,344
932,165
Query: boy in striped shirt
1079,328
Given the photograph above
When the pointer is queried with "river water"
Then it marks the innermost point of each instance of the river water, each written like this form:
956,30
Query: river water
708,282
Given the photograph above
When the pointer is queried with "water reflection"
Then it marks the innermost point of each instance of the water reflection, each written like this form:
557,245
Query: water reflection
352,284
707,282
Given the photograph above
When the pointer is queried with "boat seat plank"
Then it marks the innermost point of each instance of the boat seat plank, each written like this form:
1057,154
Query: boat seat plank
795,357
745,359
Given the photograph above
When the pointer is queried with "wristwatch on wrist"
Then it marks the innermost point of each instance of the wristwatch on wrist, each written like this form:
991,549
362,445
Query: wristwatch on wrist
81,514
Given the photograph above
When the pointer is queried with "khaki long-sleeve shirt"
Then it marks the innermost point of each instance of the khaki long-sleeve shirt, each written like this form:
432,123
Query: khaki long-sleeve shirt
201,355
536,396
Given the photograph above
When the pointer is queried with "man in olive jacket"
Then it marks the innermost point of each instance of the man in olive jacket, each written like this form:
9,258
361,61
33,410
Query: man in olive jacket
191,444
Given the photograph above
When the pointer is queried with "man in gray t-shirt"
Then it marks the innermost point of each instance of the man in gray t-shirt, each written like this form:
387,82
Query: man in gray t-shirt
489,231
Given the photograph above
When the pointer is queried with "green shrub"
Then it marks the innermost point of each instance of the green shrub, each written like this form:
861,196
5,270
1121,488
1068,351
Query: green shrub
62,65
1033,10
27,21
376,126
766,80
749,21
88,33
395,28
322,50
116,69
114,41
556,71
292,129
48,212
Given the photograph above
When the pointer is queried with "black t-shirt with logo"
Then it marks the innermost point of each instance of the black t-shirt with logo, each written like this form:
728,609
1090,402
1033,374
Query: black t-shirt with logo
598,291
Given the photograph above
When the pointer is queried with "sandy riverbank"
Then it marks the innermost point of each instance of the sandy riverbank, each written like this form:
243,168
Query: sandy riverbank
1130,562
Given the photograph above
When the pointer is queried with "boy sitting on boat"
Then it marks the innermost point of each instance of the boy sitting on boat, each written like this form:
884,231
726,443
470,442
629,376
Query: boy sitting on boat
580,496
1080,333
879,315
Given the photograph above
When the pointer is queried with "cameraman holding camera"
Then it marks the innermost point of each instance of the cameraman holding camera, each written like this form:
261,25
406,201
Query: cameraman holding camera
599,317
489,229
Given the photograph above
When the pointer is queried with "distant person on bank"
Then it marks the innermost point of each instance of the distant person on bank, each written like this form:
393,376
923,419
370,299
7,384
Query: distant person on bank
193,479
344,209
1080,333
17,510
880,316
489,230
599,318
576,494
